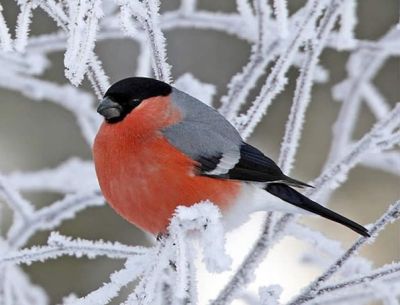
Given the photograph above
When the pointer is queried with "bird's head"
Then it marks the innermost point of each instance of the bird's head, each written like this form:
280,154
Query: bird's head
125,95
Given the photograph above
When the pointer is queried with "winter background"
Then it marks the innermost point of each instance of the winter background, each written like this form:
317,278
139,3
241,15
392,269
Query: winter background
327,72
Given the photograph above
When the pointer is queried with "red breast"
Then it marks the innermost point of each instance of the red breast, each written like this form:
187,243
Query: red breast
143,177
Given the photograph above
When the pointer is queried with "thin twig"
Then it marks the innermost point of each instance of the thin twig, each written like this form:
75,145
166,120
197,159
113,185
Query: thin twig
310,291
385,273
276,79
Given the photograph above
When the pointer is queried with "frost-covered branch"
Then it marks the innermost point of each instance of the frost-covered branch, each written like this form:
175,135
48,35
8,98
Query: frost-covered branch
23,22
148,16
361,68
261,54
82,27
51,216
168,263
165,273
335,173
21,207
310,291
78,102
281,13
387,161
333,176
302,94
5,37
59,245
329,249
134,267
270,295
348,22
81,33
276,79
385,273
60,179
162,69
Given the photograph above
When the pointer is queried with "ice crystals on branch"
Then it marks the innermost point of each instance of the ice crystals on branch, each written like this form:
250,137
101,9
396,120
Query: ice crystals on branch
168,266
83,23
202,91
279,41
270,295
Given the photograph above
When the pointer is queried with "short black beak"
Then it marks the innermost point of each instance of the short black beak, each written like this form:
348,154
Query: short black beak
109,109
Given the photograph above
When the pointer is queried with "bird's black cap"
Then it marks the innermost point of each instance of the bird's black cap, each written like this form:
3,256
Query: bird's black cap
127,94
139,88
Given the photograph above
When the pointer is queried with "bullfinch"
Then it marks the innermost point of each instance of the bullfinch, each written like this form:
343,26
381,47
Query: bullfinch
159,148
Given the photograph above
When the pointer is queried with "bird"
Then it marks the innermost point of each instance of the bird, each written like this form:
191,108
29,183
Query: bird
159,148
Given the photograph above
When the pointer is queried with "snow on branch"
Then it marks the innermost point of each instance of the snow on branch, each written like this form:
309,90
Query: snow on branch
49,217
84,18
332,177
206,218
270,295
362,67
133,268
148,16
261,54
21,207
23,22
348,21
59,245
61,179
388,161
162,69
5,37
302,94
165,273
385,273
336,172
85,15
276,79
281,13
329,248
309,292
202,91
168,264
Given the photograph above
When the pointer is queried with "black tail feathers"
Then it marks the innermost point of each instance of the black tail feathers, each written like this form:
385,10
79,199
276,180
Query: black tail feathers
290,195
295,183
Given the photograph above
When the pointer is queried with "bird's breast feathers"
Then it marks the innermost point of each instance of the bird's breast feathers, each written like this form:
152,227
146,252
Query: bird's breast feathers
143,176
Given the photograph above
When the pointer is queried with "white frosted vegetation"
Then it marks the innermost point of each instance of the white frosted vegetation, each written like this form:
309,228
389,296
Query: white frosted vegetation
279,39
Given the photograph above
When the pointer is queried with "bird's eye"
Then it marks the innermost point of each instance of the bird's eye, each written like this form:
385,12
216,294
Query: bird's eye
135,102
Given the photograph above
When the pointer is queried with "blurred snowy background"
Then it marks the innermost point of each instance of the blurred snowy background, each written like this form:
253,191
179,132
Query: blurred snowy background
41,135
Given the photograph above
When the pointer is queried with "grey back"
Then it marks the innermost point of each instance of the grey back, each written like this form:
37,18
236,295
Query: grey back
203,132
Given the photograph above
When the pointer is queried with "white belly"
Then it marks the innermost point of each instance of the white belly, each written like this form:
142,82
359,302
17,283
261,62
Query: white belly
253,198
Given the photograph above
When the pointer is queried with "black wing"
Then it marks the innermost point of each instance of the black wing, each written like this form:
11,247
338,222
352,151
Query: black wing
253,166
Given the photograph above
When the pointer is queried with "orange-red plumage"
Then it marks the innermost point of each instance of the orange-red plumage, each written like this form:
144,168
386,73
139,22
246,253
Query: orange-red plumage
143,176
